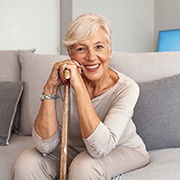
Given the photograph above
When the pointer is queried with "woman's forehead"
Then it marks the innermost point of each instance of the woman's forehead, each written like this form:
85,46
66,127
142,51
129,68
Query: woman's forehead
95,38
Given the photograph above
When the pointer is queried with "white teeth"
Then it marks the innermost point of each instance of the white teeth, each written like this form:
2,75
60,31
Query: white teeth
92,67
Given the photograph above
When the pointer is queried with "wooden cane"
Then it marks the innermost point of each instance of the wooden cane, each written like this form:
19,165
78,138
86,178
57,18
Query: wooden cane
64,134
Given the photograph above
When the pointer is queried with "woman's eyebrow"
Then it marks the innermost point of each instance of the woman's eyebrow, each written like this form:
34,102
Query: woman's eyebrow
98,42
80,44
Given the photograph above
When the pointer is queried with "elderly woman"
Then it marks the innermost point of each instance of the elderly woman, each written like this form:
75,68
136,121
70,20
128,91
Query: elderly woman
103,142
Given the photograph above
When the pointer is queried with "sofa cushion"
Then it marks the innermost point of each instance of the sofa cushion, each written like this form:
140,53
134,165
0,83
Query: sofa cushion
35,72
9,154
146,66
9,66
157,113
164,165
10,93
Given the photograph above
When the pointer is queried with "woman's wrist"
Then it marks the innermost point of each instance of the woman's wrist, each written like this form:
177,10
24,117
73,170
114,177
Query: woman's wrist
48,89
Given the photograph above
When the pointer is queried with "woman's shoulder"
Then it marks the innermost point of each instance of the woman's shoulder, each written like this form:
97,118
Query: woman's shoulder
126,86
125,80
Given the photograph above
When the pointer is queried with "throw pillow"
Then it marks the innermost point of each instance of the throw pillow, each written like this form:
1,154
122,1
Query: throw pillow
157,113
10,93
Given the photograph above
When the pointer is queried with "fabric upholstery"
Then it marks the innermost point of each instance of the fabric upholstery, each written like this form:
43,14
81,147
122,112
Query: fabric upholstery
35,71
146,66
9,66
10,93
157,113
9,154
10,70
164,165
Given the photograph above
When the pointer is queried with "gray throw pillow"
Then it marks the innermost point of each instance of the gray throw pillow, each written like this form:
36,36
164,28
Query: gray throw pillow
157,113
10,93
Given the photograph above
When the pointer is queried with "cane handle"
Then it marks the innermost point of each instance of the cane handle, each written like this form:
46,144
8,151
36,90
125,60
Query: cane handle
67,74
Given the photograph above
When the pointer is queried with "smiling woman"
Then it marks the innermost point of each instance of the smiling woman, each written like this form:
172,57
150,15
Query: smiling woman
94,55
102,104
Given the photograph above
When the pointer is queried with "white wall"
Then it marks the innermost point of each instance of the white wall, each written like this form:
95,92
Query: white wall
132,21
167,16
26,24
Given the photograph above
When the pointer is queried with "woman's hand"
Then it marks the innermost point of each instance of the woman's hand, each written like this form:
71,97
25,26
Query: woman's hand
57,77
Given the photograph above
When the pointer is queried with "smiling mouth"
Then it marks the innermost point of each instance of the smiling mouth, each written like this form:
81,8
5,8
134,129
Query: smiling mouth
92,67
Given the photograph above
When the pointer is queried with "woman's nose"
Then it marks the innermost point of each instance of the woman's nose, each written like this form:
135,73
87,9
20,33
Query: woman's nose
91,54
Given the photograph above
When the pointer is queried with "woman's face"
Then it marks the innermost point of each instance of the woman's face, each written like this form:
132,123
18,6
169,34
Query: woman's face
93,54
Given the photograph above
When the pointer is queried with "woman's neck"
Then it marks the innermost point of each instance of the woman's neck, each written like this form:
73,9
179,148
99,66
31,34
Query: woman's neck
100,86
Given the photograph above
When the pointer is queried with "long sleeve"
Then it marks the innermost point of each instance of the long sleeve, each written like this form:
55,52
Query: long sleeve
117,126
46,146
98,147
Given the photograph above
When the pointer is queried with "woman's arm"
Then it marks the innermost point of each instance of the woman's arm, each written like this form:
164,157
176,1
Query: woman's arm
88,117
46,126
45,131
116,127
46,123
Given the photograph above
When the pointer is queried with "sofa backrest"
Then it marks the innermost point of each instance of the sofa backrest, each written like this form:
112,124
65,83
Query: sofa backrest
149,66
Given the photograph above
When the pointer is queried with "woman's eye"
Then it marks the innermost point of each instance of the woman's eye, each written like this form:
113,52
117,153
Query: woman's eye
99,47
81,50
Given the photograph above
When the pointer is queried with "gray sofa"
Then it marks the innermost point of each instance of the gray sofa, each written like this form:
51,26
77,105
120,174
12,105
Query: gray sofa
157,113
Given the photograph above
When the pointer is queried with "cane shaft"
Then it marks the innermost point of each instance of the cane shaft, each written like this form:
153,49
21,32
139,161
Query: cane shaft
64,135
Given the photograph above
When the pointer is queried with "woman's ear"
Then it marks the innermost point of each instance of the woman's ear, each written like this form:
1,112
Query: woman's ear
110,53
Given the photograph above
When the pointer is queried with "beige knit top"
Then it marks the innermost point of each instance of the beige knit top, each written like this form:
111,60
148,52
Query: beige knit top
115,109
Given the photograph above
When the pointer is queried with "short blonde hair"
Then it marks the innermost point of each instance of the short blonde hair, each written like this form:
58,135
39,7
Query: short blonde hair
85,26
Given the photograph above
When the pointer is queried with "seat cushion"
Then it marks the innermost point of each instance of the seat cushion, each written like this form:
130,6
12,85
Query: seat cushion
9,154
164,165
